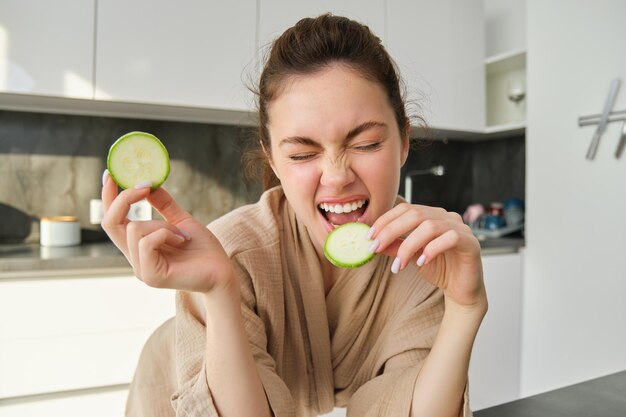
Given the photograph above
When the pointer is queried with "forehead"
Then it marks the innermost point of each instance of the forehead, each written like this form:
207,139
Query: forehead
327,103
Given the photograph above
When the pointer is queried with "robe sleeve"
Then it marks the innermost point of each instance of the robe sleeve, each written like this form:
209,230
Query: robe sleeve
391,394
193,397
402,348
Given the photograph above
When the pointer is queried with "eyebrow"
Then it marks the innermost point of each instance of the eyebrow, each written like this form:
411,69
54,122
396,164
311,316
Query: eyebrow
303,140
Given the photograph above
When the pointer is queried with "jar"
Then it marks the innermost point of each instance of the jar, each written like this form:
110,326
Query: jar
59,231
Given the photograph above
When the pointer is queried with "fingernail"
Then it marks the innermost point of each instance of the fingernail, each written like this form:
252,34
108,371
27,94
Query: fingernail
420,260
395,266
105,177
143,184
373,246
371,232
185,234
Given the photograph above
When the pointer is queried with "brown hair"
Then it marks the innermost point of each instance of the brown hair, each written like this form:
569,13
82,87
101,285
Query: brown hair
311,45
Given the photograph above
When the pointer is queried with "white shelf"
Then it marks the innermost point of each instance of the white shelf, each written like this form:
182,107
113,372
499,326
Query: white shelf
505,75
509,129
509,56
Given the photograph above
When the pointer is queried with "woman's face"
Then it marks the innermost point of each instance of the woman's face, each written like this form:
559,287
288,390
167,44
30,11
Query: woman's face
336,148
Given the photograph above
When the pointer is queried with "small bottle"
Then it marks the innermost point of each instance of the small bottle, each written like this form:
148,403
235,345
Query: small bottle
496,209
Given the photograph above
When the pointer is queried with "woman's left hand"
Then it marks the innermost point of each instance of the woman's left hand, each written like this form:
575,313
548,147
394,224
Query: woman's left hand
440,244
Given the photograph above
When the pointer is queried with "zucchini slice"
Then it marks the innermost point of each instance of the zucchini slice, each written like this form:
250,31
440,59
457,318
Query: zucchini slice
137,157
347,245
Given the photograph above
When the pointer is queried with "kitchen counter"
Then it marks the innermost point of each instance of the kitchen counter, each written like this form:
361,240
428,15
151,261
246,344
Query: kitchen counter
22,258
601,397
501,245
33,257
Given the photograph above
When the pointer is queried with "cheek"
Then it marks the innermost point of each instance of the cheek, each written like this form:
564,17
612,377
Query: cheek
381,175
300,178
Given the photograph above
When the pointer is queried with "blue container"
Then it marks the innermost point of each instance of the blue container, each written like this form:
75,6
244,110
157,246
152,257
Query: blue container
513,202
493,222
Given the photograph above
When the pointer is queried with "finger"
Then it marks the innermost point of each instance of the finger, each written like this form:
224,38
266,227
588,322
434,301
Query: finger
397,228
392,249
402,220
136,230
448,240
117,212
389,216
115,219
109,190
163,202
412,247
153,264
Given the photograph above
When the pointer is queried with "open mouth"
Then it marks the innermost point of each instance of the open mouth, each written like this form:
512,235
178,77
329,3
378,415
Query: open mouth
338,214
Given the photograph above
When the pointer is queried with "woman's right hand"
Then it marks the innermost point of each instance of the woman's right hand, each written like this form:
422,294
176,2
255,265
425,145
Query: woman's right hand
178,253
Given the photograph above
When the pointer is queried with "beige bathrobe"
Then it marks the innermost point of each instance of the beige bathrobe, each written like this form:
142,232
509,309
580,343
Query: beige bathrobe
361,346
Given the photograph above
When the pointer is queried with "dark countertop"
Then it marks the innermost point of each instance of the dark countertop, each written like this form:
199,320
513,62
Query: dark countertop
601,397
26,257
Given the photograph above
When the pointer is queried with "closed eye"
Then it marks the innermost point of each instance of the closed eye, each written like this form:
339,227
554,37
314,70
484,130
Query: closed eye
302,157
368,147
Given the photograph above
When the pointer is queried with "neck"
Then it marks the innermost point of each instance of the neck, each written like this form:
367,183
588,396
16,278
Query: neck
329,271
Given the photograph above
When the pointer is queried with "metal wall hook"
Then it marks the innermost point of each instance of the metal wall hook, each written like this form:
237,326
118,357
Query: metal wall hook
622,141
604,119
594,119
615,116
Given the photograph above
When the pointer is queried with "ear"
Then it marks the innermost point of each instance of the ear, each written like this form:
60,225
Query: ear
406,142
268,155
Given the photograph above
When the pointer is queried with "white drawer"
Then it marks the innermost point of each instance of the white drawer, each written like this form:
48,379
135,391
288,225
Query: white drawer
71,306
72,333
104,404
41,365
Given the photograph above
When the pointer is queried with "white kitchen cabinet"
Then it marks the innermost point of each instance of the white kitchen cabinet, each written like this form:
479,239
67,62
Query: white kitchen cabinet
505,26
439,47
505,40
277,15
46,47
67,341
495,365
93,404
189,53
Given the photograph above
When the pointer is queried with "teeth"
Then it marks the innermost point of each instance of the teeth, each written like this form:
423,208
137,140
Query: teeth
342,208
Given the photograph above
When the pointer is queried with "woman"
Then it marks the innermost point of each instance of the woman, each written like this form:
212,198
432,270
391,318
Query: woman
265,325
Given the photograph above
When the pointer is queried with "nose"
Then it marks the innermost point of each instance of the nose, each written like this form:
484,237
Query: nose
336,173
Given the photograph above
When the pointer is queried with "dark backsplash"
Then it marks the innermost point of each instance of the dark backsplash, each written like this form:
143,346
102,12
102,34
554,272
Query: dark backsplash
476,172
499,170
52,164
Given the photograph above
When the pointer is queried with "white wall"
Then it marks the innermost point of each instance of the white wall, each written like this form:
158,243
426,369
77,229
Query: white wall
505,26
574,300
